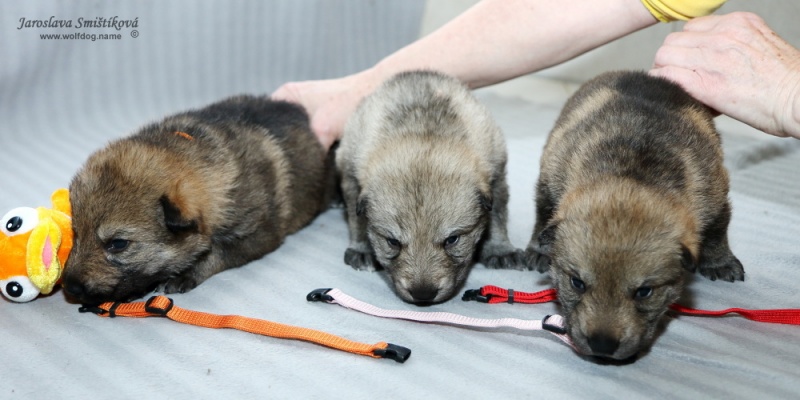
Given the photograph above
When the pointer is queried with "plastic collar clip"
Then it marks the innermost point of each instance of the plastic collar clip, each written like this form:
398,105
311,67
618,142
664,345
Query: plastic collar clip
156,310
394,352
475,295
112,311
320,295
95,309
555,328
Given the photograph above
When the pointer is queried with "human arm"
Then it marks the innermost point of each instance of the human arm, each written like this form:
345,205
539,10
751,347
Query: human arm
493,41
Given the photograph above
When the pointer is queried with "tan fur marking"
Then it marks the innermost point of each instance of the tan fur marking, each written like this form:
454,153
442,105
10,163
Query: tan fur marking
282,178
591,104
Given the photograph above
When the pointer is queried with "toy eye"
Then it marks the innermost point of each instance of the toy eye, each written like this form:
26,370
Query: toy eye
19,220
19,289
451,240
393,243
578,284
643,293
117,245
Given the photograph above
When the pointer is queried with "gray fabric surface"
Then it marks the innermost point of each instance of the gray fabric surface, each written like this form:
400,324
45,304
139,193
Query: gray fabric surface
61,100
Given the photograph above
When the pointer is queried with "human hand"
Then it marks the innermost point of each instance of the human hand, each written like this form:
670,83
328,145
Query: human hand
738,66
328,102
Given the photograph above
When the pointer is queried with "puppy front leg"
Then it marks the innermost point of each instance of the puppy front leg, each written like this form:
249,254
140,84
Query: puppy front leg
535,257
359,253
496,250
195,275
716,258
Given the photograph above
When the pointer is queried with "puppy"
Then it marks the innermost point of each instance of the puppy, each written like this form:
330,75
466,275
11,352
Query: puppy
632,191
192,195
422,167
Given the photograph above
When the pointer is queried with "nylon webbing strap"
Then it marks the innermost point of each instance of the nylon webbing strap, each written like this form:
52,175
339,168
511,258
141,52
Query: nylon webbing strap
778,316
493,294
551,323
161,306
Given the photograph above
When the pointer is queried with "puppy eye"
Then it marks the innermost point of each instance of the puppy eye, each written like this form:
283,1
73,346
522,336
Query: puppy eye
451,240
19,220
115,246
643,293
578,284
393,243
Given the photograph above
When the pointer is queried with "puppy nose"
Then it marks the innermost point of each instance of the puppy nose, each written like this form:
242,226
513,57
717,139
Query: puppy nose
74,289
603,344
424,293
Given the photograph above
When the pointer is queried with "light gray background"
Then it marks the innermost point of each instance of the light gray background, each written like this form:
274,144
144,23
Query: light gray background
61,100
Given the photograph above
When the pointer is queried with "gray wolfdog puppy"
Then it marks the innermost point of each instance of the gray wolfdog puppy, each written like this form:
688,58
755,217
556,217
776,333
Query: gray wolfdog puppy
192,195
632,192
422,165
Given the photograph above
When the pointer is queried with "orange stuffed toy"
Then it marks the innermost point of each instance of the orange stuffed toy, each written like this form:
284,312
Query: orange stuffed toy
34,246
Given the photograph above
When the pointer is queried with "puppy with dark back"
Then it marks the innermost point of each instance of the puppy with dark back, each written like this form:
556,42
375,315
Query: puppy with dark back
422,165
632,192
193,195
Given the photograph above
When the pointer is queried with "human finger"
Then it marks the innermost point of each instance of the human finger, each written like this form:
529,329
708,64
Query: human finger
285,92
679,56
733,22
703,24
688,39
684,77
324,132
689,80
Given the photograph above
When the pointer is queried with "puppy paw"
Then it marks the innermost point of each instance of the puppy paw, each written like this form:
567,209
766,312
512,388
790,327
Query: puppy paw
535,260
359,259
513,260
726,268
503,256
180,284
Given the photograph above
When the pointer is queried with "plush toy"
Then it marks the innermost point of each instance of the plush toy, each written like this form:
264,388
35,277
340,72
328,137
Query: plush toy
34,246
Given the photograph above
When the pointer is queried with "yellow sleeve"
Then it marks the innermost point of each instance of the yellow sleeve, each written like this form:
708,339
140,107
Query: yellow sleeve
673,10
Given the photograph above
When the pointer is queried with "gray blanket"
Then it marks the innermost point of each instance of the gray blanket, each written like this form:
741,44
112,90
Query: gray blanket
61,99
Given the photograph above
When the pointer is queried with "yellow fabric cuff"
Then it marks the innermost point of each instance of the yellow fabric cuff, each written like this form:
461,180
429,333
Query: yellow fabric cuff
673,10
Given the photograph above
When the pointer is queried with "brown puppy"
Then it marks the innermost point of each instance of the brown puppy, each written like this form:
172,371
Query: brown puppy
632,191
423,178
192,195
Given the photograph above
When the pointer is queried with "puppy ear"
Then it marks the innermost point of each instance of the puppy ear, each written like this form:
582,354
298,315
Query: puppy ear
361,205
688,259
485,200
548,235
543,245
174,219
